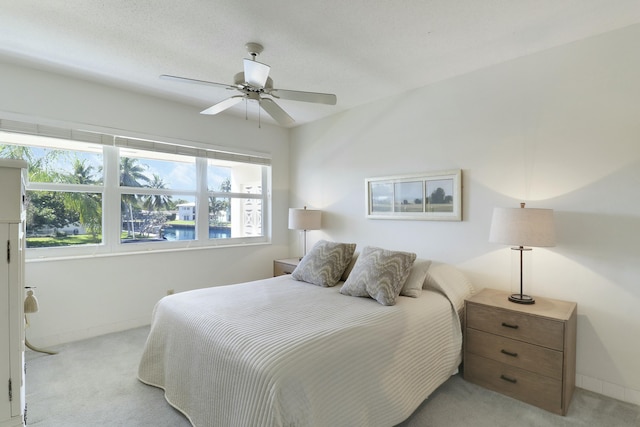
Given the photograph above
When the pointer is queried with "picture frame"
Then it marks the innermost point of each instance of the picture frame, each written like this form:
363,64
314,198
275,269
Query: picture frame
432,196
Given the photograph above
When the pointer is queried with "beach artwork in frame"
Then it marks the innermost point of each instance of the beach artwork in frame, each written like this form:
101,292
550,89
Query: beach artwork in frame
435,196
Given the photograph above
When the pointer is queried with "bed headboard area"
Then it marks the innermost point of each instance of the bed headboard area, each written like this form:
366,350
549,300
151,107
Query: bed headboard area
381,274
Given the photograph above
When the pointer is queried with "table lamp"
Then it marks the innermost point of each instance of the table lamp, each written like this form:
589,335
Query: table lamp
304,219
522,227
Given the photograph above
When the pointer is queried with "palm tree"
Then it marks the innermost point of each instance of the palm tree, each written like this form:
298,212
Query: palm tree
217,205
16,152
131,175
82,173
88,205
44,208
38,169
157,202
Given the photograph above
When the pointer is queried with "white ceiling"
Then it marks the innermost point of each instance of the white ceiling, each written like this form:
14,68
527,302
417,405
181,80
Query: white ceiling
361,50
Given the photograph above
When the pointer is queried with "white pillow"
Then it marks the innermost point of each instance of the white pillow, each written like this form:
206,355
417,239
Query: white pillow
413,286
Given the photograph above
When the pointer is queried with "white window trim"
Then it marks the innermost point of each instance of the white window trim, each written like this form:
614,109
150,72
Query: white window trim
112,192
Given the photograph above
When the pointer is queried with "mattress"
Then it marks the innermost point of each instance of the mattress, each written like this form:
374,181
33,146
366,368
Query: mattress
279,352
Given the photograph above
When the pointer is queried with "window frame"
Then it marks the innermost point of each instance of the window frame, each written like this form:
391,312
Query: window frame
112,193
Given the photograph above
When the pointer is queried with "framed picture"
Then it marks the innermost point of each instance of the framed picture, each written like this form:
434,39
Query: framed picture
427,196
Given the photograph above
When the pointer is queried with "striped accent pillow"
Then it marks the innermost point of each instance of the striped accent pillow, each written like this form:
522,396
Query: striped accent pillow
325,263
379,274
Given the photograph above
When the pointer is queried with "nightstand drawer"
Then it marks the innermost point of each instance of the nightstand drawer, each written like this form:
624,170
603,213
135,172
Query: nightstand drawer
535,389
533,358
538,364
520,326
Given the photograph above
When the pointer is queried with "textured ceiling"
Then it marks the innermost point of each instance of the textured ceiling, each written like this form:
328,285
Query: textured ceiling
361,50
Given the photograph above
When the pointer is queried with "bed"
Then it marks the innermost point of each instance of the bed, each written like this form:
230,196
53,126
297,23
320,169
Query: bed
284,352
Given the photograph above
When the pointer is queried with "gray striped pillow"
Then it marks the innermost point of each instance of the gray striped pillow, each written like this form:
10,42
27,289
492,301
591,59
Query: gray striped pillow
379,274
325,263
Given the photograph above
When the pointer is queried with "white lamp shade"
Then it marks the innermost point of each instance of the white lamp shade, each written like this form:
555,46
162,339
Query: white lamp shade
523,227
304,219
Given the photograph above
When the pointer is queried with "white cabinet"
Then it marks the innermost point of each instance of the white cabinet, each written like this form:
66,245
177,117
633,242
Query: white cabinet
12,247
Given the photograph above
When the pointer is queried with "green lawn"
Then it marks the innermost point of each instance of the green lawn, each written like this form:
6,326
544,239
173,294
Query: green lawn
70,240
84,239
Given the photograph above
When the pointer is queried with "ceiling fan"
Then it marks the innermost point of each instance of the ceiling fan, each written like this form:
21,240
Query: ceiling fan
253,84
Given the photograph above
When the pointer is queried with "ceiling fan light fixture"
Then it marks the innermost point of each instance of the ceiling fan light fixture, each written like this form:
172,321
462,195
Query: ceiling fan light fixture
256,73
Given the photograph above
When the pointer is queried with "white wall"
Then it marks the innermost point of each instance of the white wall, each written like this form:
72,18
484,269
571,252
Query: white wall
559,129
86,297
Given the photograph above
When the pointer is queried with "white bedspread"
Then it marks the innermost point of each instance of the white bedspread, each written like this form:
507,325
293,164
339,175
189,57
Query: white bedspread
278,352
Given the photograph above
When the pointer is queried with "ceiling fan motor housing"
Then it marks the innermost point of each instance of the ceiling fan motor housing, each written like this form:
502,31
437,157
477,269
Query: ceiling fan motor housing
239,80
254,49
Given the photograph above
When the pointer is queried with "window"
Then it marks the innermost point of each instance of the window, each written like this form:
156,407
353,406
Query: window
122,194
157,217
157,201
64,197
235,199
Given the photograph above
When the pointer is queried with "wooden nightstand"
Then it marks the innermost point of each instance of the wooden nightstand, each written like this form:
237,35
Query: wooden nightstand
284,266
527,352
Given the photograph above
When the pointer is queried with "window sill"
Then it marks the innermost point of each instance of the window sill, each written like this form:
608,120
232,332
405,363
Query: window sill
30,258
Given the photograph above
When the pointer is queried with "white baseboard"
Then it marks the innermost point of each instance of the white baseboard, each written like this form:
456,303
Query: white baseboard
81,334
606,388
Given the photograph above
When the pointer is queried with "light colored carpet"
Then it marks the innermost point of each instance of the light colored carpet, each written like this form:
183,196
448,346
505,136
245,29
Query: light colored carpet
93,383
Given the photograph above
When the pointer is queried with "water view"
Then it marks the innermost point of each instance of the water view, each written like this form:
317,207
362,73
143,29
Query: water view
188,232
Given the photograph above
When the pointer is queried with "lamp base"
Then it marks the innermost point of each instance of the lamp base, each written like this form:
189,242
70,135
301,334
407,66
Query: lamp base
521,299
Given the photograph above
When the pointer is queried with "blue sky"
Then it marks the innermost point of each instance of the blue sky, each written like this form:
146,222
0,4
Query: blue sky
176,175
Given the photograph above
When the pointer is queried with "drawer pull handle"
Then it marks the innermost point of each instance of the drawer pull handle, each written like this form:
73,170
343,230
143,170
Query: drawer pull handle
509,353
506,325
506,378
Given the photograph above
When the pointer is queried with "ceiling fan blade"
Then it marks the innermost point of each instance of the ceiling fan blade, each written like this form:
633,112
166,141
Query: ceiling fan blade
195,81
256,73
296,95
274,110
223,105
